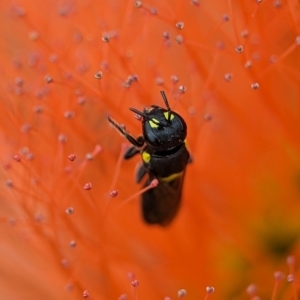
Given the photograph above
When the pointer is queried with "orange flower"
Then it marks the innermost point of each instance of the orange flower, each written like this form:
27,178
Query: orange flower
230,69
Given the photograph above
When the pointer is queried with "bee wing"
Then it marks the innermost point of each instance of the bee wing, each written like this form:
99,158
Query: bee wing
160,204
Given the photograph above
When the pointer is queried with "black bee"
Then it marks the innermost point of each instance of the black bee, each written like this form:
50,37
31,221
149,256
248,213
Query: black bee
164,155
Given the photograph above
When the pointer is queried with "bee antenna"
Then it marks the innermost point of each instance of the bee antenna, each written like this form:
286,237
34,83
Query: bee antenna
166,103
144,116
138,112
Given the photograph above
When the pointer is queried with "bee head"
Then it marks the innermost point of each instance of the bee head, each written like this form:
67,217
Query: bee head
163,129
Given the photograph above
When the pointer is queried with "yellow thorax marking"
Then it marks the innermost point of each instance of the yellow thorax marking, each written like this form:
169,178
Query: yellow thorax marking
146,157
171,177
166,114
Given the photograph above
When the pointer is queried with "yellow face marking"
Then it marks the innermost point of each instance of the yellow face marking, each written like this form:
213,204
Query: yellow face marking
152,124
171,177
146,157
166,113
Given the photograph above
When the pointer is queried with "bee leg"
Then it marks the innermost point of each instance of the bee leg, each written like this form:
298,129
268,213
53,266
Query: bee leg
132,151
141,172
139,142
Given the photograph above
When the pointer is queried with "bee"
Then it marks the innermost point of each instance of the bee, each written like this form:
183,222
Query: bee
164,157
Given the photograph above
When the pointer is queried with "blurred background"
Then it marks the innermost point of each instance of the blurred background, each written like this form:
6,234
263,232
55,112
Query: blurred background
231,69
